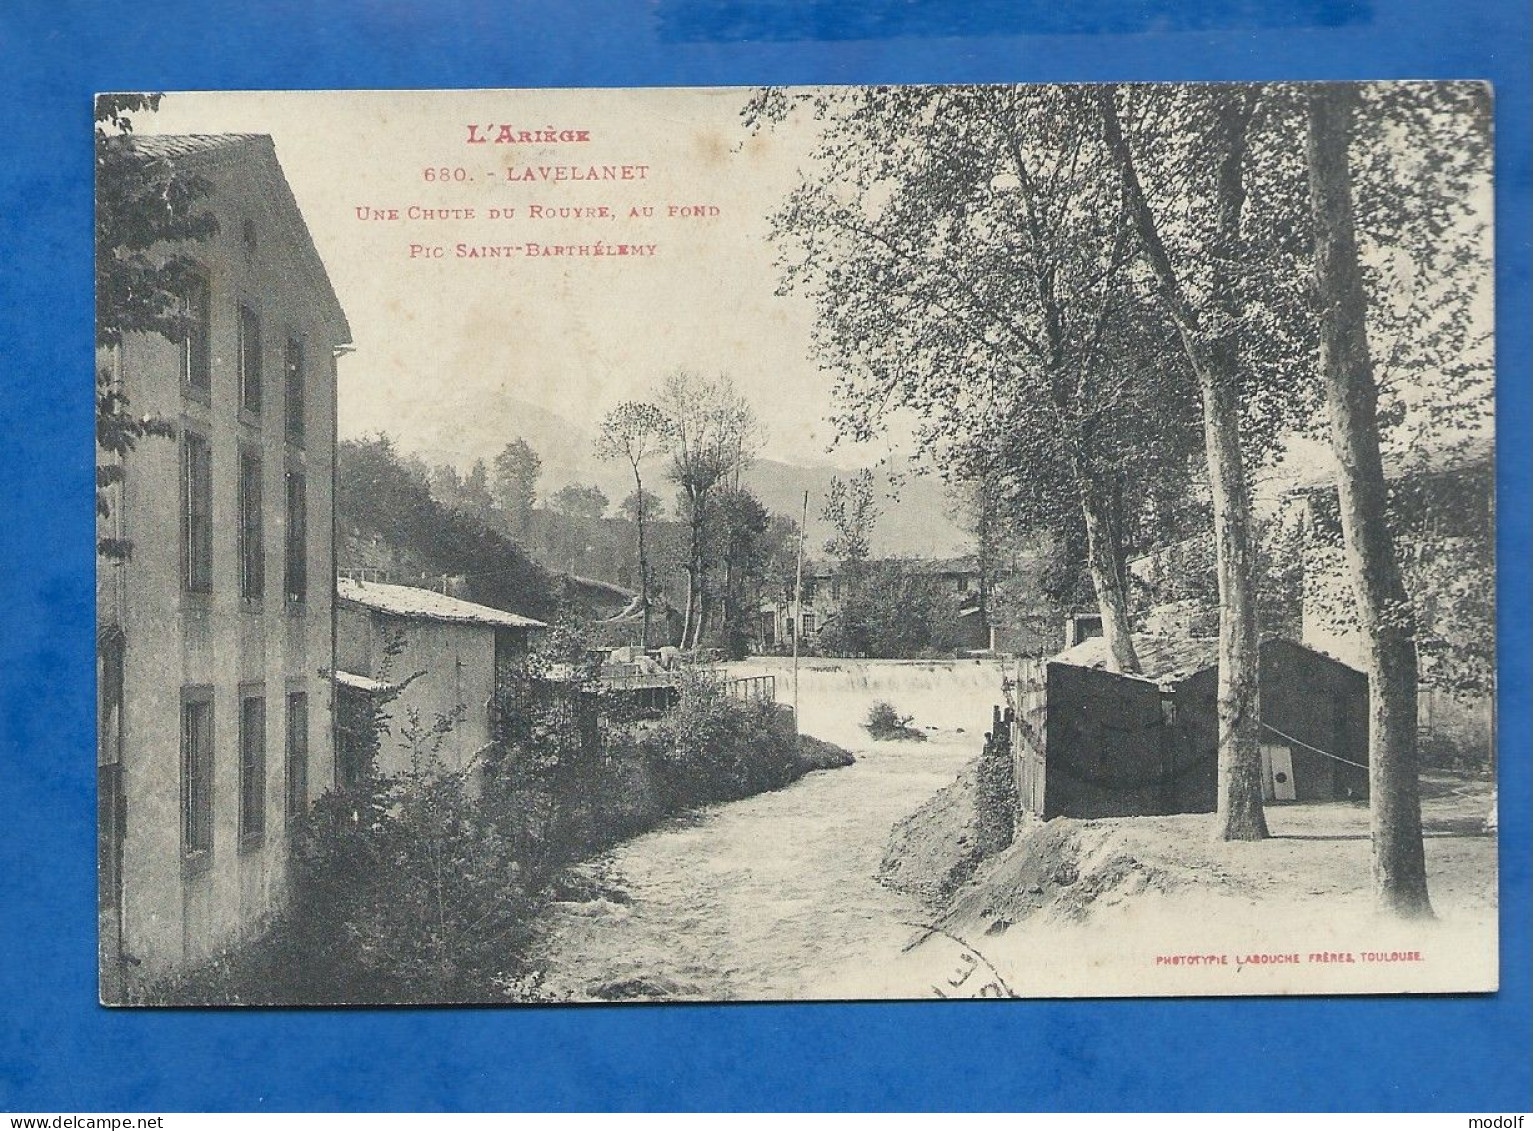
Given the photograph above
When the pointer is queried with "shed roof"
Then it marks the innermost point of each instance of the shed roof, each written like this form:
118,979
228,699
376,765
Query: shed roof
361,682
423,604
1163,659
1168,660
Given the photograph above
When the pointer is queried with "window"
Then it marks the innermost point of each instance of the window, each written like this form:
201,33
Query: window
835,589
250,361
252,768
196,514
196,346
197,774
297,754
963,584
806,622
252,543
293,375
297,570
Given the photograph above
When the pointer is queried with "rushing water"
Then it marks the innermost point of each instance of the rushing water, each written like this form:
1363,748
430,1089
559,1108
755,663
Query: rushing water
776,896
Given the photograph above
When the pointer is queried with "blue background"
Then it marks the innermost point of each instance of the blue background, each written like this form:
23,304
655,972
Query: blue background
59,1051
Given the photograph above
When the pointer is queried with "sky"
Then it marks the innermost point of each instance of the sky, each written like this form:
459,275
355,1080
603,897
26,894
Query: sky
447,344
572,335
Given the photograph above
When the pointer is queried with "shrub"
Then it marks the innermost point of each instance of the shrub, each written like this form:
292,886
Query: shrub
884,722
712,747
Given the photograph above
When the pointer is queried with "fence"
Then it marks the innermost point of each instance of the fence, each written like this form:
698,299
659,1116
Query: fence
1024,723
759,688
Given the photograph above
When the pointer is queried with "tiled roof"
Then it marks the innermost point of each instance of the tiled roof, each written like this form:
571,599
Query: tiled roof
1163,659
1168,660
185,145
408,601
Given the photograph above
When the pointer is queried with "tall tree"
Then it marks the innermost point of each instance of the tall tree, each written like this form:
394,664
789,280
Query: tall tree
978,274
148,217
852,511
477,499
739,526
1384,615
635,431
1210,334
713,434
517,469
579,501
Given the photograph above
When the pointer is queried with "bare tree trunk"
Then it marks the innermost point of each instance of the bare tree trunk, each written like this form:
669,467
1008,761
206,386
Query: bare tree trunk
1239,814
1399,863
638,485
692,634
1107,578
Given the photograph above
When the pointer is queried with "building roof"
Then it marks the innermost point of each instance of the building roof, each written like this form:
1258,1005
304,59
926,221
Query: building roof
423,604
209,153
184,145
606,587
361,682
1162,659
1168,660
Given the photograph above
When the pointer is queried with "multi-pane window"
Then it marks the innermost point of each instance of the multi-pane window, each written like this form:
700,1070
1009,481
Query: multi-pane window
250,360
807,624
197,774
196,345
252,541
252,767
297,754
293,374
297,571
196,513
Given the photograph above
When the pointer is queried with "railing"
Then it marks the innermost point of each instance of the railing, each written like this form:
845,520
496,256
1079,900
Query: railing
760,688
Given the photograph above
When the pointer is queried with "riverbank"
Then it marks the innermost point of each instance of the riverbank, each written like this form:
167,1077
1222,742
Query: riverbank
1152,905
773,897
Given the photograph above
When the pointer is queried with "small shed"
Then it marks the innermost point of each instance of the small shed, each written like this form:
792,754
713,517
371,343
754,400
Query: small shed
1100,744
450,657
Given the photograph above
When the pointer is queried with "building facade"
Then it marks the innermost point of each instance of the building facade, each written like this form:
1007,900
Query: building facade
448,657
215,633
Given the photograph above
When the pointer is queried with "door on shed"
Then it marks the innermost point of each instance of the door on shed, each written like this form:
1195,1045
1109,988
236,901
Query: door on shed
1277,773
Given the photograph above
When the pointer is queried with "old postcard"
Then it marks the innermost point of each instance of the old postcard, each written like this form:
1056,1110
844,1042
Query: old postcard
795,543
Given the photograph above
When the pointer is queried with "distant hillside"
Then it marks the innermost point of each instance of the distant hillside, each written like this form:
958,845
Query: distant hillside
458,427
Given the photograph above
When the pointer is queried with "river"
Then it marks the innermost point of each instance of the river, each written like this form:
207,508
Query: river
776,896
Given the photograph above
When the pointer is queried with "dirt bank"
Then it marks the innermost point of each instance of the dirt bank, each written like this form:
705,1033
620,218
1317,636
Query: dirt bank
1091,907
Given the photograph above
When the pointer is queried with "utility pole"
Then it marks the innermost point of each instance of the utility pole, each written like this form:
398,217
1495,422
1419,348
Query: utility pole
798,611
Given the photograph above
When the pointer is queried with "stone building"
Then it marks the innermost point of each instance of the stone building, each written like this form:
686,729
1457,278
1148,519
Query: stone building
215,634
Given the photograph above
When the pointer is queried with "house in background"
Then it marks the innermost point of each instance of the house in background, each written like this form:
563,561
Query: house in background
215,638
824,593
451,655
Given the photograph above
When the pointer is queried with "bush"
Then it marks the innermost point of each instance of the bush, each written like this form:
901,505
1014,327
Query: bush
712,747
884,722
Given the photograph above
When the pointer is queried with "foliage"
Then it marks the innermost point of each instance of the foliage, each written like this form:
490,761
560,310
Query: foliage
517,468
739,547
978,276
712,747
579,501
995,803
713,436
379,493
892,610
852,512
885,723
639,502
147,213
